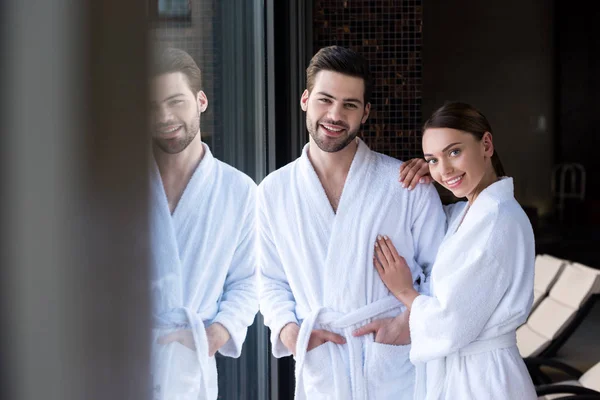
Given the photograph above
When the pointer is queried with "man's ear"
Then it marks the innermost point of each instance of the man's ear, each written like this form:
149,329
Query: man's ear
304,100
366,114
202,101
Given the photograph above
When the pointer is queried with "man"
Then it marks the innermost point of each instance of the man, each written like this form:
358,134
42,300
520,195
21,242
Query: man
318,219
203,239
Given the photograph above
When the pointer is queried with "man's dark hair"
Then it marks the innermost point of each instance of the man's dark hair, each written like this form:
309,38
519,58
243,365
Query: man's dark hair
343,60
171,60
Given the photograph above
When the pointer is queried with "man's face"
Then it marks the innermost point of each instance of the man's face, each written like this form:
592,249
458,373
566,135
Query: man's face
334,109
175,112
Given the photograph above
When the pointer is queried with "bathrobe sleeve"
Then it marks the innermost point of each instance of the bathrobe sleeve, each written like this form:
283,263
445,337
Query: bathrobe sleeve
277,303
428,229
239,302
468,288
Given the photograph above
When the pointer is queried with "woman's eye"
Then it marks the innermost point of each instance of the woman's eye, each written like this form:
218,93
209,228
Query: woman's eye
454,153
431,161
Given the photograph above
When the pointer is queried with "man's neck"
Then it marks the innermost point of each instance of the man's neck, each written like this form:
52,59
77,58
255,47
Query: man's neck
332,169
332,165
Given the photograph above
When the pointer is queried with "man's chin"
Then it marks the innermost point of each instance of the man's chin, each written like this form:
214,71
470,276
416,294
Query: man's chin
330,145
170,146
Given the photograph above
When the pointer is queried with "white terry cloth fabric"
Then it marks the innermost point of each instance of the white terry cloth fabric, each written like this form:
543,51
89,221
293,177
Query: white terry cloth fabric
463,336
203,271
316,269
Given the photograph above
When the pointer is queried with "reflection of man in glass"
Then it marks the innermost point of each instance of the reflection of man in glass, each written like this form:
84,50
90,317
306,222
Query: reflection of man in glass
316,218
202,236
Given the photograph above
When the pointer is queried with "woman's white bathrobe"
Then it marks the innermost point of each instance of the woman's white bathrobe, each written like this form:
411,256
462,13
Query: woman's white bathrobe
203,271
463,335
316,269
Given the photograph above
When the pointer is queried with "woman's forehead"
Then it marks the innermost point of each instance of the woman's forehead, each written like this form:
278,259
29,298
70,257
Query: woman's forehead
437,139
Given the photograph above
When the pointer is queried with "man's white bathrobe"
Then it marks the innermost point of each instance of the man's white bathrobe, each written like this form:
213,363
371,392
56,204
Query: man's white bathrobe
316,269
203,271
463,335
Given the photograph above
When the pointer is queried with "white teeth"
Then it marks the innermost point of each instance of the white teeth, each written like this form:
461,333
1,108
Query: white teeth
171,130
330,128
453,181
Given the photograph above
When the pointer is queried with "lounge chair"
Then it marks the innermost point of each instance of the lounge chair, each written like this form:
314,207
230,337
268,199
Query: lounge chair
560,313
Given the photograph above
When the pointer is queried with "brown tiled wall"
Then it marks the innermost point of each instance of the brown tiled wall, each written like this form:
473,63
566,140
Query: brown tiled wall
388,34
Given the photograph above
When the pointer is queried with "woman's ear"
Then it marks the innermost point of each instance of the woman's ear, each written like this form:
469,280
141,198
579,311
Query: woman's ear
488,144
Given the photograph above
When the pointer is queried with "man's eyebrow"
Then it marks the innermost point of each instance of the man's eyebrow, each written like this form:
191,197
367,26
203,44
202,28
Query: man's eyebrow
445,148
170,97
349,100
173,96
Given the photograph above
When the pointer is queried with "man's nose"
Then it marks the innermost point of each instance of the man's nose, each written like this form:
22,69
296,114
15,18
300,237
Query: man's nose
163,114
336,112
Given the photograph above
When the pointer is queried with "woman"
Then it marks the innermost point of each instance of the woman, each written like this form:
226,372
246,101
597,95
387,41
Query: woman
481,285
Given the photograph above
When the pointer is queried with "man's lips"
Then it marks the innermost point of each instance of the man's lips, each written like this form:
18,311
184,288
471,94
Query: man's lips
169,132
332,129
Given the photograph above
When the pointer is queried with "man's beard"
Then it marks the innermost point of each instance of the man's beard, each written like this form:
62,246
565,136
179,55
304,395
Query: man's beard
176,146
327,144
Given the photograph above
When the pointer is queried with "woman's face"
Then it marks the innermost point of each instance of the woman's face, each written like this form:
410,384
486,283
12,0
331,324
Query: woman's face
458,160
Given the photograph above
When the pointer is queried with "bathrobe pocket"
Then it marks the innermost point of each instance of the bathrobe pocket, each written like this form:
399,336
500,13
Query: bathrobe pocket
389,372
318,372
176,371
184,376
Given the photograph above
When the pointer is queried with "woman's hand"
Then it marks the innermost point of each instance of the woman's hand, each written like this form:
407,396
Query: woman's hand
394,271
413,172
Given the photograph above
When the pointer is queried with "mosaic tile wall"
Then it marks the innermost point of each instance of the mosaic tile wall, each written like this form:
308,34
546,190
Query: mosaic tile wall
389,34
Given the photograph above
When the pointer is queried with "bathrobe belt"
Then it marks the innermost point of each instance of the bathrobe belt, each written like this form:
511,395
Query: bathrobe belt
436,370
343,321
